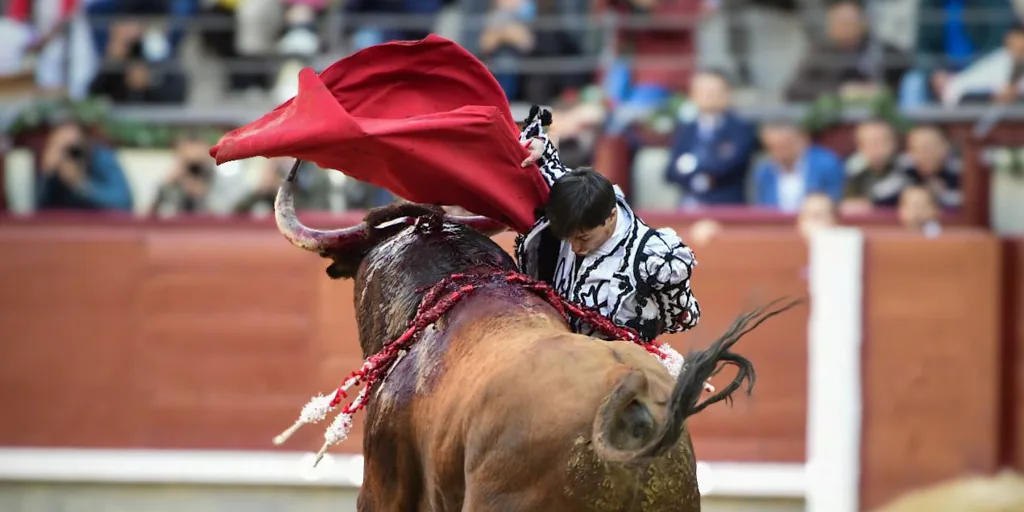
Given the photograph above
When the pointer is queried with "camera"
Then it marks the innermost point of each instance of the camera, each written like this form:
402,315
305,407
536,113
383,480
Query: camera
136,51
76,152
198,170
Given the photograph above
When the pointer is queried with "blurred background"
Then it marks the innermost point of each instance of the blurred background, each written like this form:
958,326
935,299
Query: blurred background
156,332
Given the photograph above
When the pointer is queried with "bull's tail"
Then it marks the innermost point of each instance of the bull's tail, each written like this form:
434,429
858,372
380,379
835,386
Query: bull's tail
626,430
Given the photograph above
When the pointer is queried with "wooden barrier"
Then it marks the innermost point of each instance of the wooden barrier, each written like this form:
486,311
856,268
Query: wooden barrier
1013,342
931,361
213,336
154,338
738,271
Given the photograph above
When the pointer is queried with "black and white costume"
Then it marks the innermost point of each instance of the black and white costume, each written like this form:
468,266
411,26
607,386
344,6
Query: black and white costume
639,278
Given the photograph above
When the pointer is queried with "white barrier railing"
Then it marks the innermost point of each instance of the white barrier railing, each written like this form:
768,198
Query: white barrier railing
202,467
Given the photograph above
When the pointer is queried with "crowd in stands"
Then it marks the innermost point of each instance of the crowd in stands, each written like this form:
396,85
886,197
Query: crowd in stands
712,152
131,51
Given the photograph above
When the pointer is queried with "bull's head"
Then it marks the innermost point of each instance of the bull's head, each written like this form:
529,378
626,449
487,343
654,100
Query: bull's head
395,252
348,246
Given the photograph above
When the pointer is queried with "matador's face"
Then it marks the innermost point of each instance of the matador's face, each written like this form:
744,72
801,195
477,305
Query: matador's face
587,241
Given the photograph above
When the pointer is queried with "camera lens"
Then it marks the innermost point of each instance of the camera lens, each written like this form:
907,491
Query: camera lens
136,50
196,169
76,151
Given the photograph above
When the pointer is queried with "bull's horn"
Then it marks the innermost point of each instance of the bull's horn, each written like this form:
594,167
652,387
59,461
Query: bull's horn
298,234
485,225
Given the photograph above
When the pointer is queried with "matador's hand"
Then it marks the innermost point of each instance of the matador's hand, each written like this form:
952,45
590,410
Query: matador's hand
536,147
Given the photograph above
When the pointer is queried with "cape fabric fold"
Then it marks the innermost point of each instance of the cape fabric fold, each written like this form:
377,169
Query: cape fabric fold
425,120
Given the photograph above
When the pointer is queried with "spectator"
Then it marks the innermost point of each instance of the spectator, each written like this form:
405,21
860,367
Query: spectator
703,232
160,44
919,211
997,77
129,77
711,153
950,34
930,163
18,40
300,37
258,23
313,191
663,57
871,173
794,168
474,21
506,38
79,174
57,34
817,211
848,61
140,61
367,35
566,40
244,32
262,28
187,189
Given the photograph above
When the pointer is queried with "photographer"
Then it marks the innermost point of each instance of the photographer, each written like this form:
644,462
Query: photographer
187,190
79,175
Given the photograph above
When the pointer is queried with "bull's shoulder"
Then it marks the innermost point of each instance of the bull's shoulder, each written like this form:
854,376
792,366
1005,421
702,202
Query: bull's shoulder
565,376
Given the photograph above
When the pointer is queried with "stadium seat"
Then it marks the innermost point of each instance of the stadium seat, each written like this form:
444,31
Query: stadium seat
650,191
1007,193
19,181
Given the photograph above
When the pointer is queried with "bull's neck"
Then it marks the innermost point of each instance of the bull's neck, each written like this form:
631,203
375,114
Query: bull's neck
489,301
500,301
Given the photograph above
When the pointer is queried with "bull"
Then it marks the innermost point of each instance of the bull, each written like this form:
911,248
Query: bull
494,404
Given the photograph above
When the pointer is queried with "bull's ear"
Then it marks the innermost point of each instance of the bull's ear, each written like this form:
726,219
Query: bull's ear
338,270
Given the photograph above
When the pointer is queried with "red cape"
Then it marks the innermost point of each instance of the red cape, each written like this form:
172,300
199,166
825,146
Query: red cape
425,120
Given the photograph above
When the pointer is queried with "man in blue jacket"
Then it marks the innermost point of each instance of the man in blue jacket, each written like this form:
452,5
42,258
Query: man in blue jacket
795,168
711,151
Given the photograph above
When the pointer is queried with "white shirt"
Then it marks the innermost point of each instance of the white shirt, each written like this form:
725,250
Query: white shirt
706,124
791,190
988,74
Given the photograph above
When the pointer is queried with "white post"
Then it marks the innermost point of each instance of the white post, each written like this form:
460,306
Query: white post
834,371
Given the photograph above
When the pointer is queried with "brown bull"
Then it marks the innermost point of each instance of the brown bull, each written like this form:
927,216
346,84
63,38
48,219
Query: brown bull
498,406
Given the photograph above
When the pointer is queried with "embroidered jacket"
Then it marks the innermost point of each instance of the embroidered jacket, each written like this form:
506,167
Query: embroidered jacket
639,278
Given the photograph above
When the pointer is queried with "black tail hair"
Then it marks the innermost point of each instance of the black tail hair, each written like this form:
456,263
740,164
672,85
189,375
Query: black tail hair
701,365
